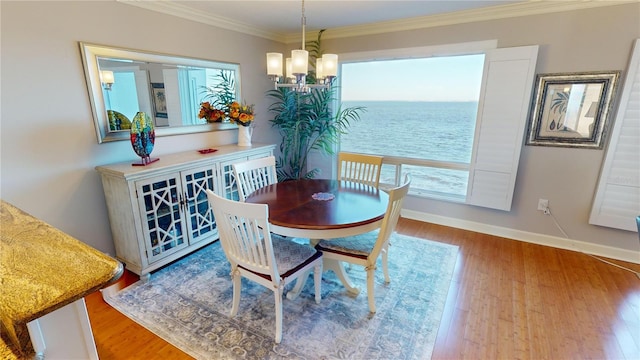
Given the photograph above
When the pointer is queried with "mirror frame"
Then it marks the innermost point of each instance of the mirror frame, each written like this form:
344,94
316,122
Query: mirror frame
91,52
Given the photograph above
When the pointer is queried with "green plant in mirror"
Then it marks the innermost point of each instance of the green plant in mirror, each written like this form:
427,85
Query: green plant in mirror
223,93
307,122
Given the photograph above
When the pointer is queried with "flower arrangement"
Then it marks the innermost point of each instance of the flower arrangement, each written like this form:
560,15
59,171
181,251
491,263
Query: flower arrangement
240,114
210,113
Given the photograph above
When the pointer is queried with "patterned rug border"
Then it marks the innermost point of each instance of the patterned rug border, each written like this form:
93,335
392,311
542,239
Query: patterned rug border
199,325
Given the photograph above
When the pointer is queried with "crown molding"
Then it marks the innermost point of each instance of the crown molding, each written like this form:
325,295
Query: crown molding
532,7
174,8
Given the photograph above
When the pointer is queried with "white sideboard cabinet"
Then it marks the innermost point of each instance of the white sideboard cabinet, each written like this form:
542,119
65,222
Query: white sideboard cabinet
159,212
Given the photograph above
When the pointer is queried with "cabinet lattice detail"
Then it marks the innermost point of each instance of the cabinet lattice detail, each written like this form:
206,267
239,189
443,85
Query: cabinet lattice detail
160,212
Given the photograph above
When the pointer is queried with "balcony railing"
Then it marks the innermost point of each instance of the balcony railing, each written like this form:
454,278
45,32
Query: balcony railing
444,180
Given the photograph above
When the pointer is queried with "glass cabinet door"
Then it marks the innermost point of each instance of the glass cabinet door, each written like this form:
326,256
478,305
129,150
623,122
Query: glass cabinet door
199,215
163,224
229,185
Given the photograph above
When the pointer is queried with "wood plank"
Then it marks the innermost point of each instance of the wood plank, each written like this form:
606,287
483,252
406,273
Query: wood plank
507,300
118,337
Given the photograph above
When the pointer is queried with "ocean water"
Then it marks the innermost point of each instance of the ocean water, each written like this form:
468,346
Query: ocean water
424,130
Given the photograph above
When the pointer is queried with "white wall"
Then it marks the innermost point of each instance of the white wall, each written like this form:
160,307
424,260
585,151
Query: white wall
48,142
49,148
597,39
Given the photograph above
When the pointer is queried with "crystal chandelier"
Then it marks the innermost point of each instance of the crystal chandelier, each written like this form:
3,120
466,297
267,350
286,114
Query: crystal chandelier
298,65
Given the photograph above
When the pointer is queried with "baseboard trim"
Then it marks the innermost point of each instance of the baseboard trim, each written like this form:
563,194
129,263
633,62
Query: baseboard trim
534,238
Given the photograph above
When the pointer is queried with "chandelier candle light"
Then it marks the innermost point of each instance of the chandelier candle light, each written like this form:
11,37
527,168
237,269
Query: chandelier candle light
297,66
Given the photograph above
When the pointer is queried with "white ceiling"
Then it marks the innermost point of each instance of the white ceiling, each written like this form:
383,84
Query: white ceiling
281,20
284,16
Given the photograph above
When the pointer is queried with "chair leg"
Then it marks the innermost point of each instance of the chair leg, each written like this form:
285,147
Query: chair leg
317,280
278,296
371,275
237,287
385,264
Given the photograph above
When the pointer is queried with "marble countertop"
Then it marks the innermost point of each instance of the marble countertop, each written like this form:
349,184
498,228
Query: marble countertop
41,270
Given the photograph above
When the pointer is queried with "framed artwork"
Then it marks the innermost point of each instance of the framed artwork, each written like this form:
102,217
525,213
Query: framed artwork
159,100
571,110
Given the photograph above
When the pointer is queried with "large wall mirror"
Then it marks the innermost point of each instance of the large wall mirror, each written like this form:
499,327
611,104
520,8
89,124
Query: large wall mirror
169,88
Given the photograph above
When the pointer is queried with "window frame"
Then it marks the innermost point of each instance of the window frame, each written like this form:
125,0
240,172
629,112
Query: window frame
483,176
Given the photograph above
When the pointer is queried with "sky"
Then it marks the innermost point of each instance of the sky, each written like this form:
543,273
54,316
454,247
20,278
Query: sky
451,78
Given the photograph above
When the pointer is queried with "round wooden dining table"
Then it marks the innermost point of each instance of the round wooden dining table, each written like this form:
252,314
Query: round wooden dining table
322,209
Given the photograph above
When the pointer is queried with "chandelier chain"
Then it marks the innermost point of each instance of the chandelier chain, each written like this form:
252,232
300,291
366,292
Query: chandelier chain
304,23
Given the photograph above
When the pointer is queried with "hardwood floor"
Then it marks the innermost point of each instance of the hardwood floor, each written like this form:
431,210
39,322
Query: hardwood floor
507,300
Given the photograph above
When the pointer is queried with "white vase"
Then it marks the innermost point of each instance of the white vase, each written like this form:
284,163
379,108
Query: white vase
244,135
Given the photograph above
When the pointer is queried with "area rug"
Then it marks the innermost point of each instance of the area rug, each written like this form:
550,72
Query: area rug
187,303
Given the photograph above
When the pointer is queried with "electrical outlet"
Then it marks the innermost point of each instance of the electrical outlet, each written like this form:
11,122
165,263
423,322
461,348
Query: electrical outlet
543,204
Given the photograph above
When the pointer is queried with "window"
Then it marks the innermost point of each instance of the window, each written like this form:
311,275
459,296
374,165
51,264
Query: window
428,105
465,144
122,95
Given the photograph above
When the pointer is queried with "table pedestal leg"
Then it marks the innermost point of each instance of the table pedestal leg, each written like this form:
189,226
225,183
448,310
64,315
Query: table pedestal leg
297,288
338,268
328,264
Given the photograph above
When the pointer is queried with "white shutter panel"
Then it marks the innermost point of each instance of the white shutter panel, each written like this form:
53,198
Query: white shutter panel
502,116
172,96
142,89
617,200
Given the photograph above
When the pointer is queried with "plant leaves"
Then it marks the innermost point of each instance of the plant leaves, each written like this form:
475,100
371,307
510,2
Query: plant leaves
306,122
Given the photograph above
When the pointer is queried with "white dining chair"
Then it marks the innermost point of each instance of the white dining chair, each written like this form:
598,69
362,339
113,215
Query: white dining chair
364,249
253,174
255,255
361,168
